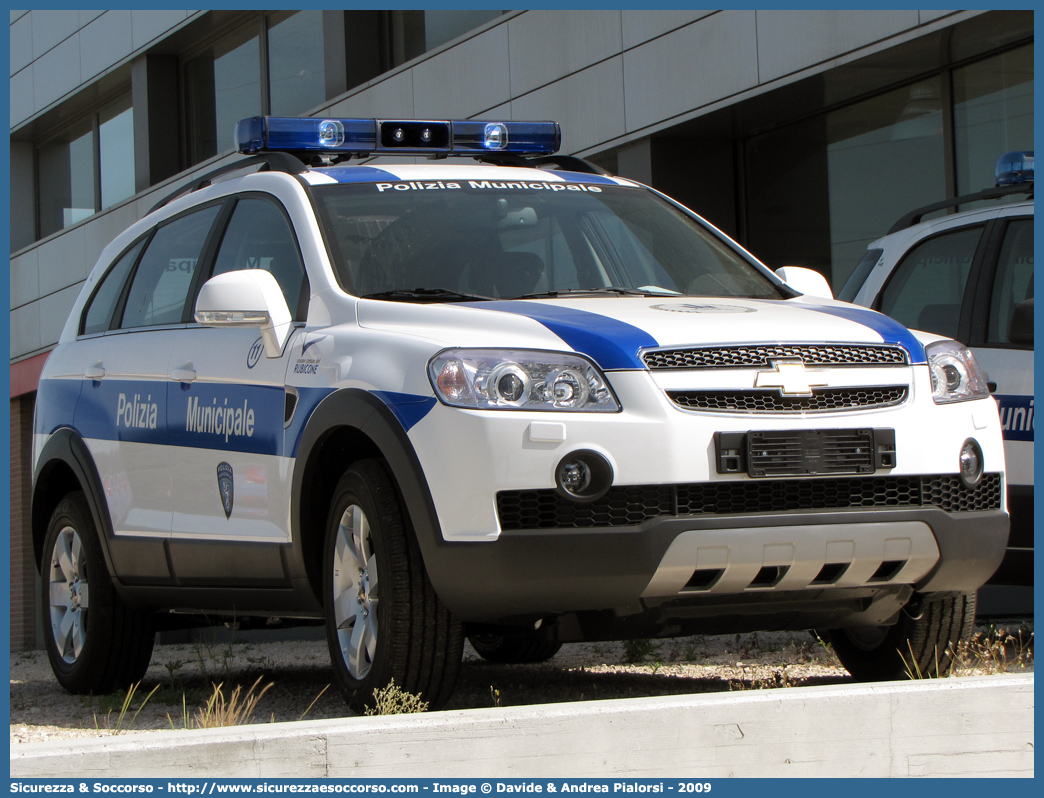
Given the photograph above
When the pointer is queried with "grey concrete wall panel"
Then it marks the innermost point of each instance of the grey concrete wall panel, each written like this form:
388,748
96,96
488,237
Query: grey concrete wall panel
390,97
547,45
789,41
54,312
16,15
22,103
146,26
104,42
21,44
62,261
642,26
86,17
465,80
25,330
589,105
50,28
931,16
25,279
57,73
98,235
932,727
500,113
707,61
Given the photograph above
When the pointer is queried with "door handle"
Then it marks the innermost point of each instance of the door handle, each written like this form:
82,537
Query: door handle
95,372
184,374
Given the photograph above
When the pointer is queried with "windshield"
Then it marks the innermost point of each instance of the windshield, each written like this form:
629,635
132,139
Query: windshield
453,241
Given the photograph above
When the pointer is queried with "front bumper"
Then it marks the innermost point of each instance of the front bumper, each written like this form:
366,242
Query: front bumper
818,555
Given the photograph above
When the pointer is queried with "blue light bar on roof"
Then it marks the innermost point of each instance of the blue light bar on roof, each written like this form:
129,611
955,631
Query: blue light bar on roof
1014,168
400,137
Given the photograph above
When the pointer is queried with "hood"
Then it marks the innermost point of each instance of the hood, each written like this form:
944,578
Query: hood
613,331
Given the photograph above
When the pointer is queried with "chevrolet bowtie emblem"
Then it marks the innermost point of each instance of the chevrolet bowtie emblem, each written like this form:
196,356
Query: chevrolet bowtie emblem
790,377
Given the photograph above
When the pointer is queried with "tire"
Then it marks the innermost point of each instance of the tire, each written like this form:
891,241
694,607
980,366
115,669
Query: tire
383,618
511,650
97,643
918,646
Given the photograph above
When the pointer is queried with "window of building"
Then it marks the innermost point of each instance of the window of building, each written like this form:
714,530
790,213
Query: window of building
88,167
821,189
296,67
273,65
415,32
222,86
992,114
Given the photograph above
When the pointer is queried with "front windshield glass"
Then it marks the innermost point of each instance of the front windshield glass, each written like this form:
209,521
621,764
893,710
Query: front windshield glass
450,241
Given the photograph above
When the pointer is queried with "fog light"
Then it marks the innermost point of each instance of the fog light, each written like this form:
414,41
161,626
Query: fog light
971,463
584,476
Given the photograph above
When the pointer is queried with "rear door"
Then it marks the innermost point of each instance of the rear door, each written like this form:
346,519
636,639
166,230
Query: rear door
128,331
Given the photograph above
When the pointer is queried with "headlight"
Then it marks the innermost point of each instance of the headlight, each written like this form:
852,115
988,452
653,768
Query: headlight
505,379
956,377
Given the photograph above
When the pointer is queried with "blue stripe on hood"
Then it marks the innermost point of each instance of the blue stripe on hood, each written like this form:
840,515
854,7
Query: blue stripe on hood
891,331
611,343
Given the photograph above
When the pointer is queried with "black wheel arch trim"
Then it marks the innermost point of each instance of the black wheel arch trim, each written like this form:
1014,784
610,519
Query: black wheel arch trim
67,447
362,411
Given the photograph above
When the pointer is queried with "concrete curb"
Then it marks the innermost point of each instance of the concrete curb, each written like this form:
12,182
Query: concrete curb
953,727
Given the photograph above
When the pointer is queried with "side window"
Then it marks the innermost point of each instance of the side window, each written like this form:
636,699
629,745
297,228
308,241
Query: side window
101,307
259,237
1013,282
927,287
166,272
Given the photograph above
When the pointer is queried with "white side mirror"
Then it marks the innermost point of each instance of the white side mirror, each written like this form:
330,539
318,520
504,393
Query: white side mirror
247,298
805,281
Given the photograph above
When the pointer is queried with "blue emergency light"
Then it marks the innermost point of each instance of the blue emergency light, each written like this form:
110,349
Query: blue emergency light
400,137
1014,168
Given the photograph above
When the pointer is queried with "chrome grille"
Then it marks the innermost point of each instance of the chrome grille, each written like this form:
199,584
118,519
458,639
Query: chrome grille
762,355
771,401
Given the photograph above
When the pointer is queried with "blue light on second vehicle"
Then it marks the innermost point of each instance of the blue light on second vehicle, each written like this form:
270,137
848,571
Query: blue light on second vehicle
1014,168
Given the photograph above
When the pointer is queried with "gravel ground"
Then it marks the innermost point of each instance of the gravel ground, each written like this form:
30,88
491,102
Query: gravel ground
299,671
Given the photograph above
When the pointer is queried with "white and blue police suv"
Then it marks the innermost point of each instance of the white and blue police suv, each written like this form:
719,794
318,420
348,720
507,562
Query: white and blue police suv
969,276
514,399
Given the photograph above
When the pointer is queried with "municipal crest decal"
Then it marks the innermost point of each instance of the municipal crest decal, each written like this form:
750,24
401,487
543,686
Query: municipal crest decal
225,487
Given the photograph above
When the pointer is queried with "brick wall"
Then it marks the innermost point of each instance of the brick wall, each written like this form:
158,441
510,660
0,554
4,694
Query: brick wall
23,569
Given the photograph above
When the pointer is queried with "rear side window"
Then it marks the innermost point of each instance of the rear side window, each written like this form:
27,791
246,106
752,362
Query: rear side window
167,271
926,289
102,306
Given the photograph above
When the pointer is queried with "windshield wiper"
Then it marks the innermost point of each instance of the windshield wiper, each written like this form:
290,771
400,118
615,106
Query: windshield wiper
611,289
429,295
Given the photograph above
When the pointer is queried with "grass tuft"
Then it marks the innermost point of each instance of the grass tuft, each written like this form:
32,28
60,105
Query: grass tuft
393,700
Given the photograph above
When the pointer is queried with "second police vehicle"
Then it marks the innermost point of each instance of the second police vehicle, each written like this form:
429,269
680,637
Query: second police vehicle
513,399
969,276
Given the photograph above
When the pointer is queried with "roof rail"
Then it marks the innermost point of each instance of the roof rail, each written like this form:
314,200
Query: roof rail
268,162
915,216
570,163
567,163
